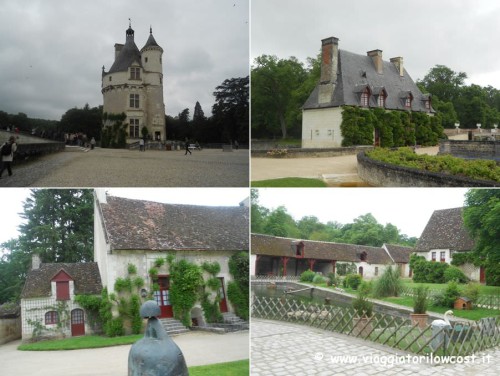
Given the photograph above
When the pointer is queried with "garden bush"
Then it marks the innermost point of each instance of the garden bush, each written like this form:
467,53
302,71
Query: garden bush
420,300
427,271
362,305
471,291
365,287
318,278
450,294
307,276
389,284
453,273
353,281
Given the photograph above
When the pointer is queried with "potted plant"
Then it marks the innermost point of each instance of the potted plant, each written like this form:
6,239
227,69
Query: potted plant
420,302
364,310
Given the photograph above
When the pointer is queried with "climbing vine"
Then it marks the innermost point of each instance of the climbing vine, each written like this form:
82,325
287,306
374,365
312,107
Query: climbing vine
211,309
62,325
238,290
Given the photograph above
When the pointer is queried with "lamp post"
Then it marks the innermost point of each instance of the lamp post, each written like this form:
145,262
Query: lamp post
457,125
478,125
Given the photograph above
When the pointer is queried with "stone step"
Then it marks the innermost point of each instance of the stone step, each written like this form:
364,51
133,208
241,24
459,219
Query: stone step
173,327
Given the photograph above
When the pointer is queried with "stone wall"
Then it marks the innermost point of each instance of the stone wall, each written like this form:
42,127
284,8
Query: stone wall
471,149
316,152
380,174
10,329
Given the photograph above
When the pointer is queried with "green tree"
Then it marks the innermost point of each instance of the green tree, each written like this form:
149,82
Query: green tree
482,218
276,89
258,213
86,120
59,226
280,223
444,83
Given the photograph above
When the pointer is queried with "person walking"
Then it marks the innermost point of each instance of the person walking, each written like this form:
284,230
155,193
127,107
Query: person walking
141,144
187,148
7,151
92,143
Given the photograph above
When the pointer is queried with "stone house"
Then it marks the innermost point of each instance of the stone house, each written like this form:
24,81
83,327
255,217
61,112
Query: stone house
272,255
350,79
400,255
48,299
140,232
444,236
134,86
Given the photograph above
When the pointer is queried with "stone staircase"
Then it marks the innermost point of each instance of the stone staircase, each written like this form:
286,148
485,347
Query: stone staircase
173,327
234,322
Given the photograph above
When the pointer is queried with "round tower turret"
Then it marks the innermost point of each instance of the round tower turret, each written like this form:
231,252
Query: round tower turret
151,55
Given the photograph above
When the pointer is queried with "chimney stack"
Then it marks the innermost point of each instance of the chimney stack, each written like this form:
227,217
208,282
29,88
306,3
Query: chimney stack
376,56
35,261
329,67
118,48
398,63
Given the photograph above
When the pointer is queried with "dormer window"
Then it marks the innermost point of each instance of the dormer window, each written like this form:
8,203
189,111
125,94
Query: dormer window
363,256
365,97
381,100
407,99
426,98
62,280
408,102
135,73
298,249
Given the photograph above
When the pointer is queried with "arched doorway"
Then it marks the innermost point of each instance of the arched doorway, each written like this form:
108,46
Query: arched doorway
360,271
77,322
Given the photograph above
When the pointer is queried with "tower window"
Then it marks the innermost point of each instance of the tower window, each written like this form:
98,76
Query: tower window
110,78
134,128
161,81
134,100
135,73
145,59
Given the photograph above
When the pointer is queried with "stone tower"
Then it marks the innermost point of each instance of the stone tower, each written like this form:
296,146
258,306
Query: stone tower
134,86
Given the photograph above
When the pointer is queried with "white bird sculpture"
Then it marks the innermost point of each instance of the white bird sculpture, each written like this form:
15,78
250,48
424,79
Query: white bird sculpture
444,322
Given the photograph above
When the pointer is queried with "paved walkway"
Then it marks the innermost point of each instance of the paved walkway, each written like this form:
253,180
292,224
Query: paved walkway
199,348
131,168
336,171
284,349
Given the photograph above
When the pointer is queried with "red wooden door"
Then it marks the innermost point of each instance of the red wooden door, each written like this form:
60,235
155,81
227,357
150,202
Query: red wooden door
222,293
162,296
482,275
360,271
77,322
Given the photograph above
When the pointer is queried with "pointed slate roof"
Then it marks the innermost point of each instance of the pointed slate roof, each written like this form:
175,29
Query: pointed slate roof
145,225
128,55
151,42
268,245
356,71
86,277
445,230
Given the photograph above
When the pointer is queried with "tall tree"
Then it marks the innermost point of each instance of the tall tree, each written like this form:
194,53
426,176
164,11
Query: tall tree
198,115
85,120
59,226
230,111
482,218
444,83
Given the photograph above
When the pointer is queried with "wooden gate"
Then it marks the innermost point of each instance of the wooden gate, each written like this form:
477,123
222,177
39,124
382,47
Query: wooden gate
77,322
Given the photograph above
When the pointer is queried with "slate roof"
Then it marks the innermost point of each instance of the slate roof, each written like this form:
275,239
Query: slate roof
145,225
151,42
358,71
399,253
127,56
85,276
267,245
445,230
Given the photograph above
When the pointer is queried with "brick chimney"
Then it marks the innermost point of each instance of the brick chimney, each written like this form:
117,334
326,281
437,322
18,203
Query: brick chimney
398,63
35,261
329,68
118,48
376,56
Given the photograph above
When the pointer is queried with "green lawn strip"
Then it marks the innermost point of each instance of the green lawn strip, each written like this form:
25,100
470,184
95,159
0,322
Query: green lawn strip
289,182
240,367
483,290
83,342
474,314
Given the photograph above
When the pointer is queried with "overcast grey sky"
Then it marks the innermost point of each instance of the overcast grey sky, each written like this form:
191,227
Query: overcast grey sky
409,209
53,50
11,200
461,34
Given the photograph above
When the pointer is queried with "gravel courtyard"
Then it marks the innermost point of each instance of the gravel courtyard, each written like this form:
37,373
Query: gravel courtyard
131,168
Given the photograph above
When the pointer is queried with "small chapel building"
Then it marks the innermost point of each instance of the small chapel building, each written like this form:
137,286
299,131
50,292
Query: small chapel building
134,86
350,79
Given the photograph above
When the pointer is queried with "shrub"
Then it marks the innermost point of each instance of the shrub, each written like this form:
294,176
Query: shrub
362,305
135,317
239,299
471,291
352,281
159,262
453,273
131,269
344,268
449,296
389,283
307,276
115,327
420,301
318,279
366,287
333,280
427,271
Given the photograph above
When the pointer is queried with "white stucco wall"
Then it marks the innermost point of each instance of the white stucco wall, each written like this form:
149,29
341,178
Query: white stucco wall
321,128
253,260
369,269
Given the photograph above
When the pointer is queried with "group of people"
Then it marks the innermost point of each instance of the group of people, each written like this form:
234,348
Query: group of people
7,151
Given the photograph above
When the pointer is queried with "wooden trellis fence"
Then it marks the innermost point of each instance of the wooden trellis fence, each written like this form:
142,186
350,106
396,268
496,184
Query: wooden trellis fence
459,339
483,301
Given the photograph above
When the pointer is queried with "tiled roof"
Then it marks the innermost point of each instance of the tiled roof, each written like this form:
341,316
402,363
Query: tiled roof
85,276
145,225
128,55
151,42
399,253
445,230
357,72
267,245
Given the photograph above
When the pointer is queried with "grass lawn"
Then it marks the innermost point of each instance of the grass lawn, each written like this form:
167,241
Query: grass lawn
290,182
483,290
474,314
83,342
240,367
